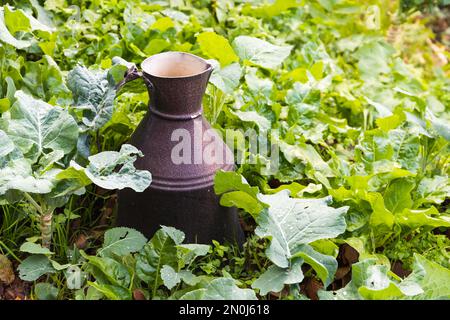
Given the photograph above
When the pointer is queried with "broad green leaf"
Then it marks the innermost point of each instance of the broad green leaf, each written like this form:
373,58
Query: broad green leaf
256,85
94,93
220,289
163,24
305,153
425,217
270,10
7,37
374,58
441,126
171,278
371,281
380,217
237,192
406,148
432,278
34,248
101,170
324,265
260,52
122,241
160,251
227,78
111,292
433,190
109,272
253,116
35,266
274,279
19,20
242,201
216,47
16,172
398,195
37,128
226,181
291,223
187,253
390,122
45,291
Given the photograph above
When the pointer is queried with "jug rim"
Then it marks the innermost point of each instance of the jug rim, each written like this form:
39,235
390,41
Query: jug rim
208,66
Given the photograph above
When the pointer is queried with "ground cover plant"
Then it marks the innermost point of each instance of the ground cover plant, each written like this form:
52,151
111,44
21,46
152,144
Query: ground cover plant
355,94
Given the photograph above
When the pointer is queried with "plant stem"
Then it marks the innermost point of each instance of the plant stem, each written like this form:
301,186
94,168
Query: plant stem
45,217
46,227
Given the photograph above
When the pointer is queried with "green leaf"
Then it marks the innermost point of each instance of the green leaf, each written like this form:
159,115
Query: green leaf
94,93
162,24
425,217
122,241
187,253
237,192
398,195
241,200
160,251
374,58
324,265
270,10
171,278
35,266
45,291
34,248
216,47
432,278
307,154
252,116
441,126
371,281
7,37
257,85
111,292
260,52
112,277
37,128
102,170
226,181
291,223
274,279
406,148
433,190
19,20
220,289
227,78
380,217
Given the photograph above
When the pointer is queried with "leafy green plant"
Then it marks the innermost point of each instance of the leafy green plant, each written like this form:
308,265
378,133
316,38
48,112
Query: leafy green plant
354,94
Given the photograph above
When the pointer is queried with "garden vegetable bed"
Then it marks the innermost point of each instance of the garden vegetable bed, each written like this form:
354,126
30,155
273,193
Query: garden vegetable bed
354,94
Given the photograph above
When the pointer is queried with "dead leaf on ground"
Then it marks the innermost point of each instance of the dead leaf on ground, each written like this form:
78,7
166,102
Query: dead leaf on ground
6,270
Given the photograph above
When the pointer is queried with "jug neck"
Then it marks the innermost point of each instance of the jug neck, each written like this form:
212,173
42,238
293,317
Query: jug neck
177,82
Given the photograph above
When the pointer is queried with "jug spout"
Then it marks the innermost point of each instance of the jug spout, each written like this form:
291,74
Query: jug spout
178,82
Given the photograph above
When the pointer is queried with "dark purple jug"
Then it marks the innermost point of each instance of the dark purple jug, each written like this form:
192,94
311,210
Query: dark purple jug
182,152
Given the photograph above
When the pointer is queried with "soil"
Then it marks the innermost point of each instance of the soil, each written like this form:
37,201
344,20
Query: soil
12,288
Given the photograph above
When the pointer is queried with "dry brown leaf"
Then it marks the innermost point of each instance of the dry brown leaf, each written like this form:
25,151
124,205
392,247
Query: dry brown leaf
6,271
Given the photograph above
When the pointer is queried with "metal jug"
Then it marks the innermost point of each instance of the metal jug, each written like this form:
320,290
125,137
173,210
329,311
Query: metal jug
181,194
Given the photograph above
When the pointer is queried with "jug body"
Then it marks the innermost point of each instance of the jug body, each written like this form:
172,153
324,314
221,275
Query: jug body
183,153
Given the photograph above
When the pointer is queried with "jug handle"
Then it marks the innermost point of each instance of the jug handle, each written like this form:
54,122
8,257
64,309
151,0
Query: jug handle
132,74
